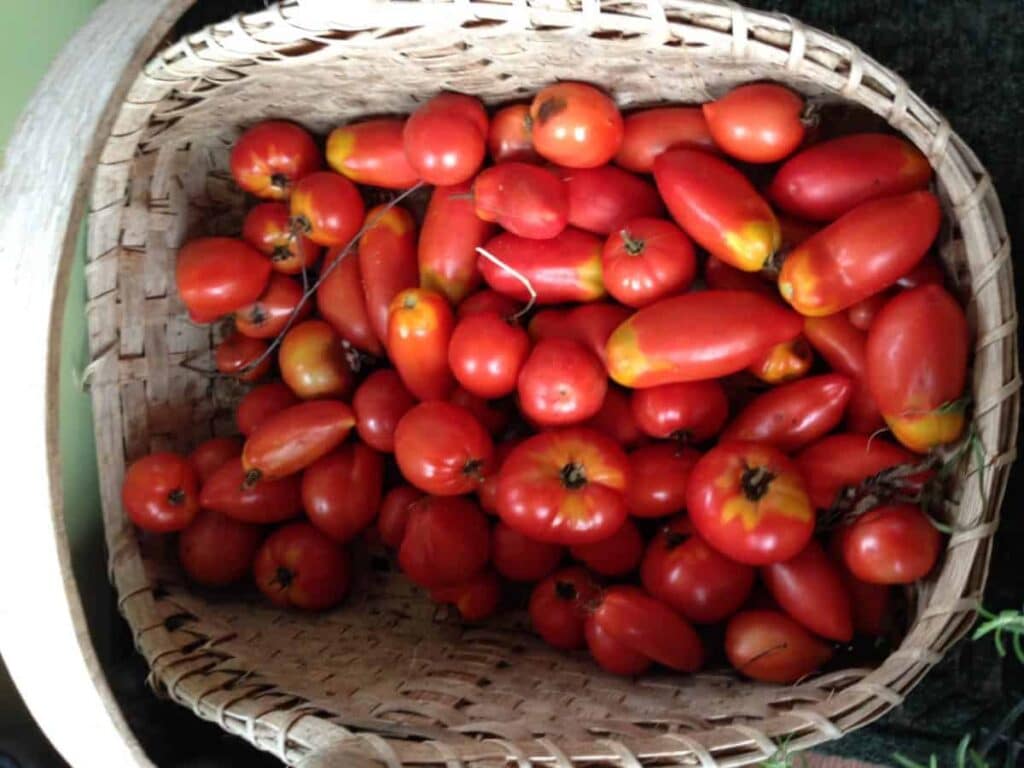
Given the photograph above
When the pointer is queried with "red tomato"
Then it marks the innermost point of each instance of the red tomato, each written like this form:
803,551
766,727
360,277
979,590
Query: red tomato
394,514
658,476
160,492
524,199
215,550
565,486
448,242
217,275
917,366
299,567
271,156
616,419
793,415
327,208
487,493
865,251
716,206
689,576
794,231
419,330
647,260
487,301
771,647
810,589
872,603
486,353
748,501
268,229
562,382
726,331
294,438
575,125
475,600
558,607
757,123
692,411
342,490
266,317
261,402
441,449
446,542
617,555
927,272
510,137
371,152
564,268
589,324
445,139
723,277
207,457
237,356
379,403
314,362
613,655
650,132
892,544
862,314
342,303
829,179
268,501
517,557
603,200
494,415
387,262
784,362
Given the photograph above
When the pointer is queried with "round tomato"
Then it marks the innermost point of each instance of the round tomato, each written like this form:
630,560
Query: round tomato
771,647
486,353
757,123
294,438
371,152
446,542
266,317
616,419
691,411
493,415
517,557
784,362
207,457
299,567
420,326
510,136
562,382
268,501
648,133
341,491
558,607
893,544
161,492
243,357
387,262
314,361
810,589
448,241
216,550
487,300
217,275
524,199
261,402
394,514
617,555
379,403
748,501
268,229
341,301
327,208
575,125
442,449
475,599
646,260
271,156
605,199
445,139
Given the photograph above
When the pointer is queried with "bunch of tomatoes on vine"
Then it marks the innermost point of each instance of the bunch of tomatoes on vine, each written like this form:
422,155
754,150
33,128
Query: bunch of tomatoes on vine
676,369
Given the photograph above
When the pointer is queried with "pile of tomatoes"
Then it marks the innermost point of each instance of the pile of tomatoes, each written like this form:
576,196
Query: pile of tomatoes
607,346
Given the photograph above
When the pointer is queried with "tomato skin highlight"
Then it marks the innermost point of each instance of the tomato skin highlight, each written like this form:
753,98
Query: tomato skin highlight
446,542
575,125
448,241
210,455
517,557
442,449
558,607
327,208
387,262
268,501
648,133
526,200
217,275
299,567
341,491
486,353
371,152
261,402
811,590
379,404
160,492
270,157
294,438
773,648
510,136
420,326
694,411
216,551
757,123
646,260
560,383
617,555
602,200
267,228
891,544
659,474
342,303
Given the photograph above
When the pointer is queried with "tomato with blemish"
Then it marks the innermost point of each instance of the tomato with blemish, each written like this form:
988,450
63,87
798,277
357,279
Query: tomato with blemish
327,208
784,362
160,492
379,404
646,260
510,136
341,491
649,132
266,317
270,157
575,125
442,449
300,567
420,324
371,152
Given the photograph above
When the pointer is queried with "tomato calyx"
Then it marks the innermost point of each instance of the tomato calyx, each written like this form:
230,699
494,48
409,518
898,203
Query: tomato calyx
574,476
283,577
281,253
252,477
473,468
257,315
674,539
566,590
279,181
176,497
755,482
682,437
300,225
549,108
634,245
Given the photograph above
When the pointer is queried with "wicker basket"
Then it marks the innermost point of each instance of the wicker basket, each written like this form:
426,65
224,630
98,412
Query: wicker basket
386,680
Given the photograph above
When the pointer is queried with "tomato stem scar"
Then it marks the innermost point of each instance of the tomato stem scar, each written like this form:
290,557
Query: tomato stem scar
755,482
176,497
283,577
634,246
573,476
565,590
252,477
279,181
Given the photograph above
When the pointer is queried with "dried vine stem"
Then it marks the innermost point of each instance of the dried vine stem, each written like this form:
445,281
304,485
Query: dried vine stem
518,276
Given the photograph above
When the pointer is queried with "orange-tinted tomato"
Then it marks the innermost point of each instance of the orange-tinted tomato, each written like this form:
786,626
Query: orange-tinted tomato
564,268
446,542
379,403
650,132
371,152
268,229
510,136
268,501
266,317
160,492
445,139
475,600
646,260
559,605
486,353
811,589
617,555
442,449
784,362
771,647
419,329
659,474
327,208
604,199
216,551
893,544
517,557
387,262
561,382
757,123
575,125
342,303
394,514
271,156
217,275
448,242
237,356
294,438
524,199
313,361
692,411
210,455
299,567
261,402
341,491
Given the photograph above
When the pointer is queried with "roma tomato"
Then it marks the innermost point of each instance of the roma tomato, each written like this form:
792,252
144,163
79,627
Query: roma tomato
863,252
394,514
420,326
207,457
617,555
927,272
794,231
771,647
558,607
379,403
659,473
314,362
271,156
757,123
487,493
517,557
445,139
217,275
562,382
872,603
441,449
565,486
387,262
266,317
524,199
692,411
475,599
784,362
215,550
862,314
723,277
589,324
892,544
837,464
726,331
748,501
575,125
261,402
510,136
294,438
446,542
486,353
689,576
493,415
342,303
917,366
267,228
371,152
564,268
243,357
299,567
646,260
604,199
716,206
616,419
613,655
810,589
824,181
327,208
793,415
161,492
269,501
341,491
648,133
448,242
487,301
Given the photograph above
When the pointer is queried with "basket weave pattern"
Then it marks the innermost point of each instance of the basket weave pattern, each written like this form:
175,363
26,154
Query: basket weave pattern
386,680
